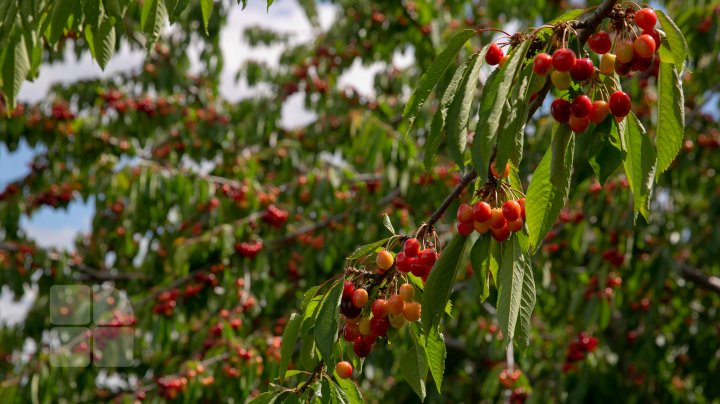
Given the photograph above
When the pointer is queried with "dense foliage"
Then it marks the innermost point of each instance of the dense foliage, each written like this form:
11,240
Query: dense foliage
233,236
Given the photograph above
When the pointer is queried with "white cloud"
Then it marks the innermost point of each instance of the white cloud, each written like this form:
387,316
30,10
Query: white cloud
59,237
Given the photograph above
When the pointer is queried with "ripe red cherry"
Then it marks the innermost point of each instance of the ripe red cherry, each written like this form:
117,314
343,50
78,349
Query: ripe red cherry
578,124
516,225
600,42
542,64
623,69
501,234
644,45
360,297
646,19
481,211
511,210
493,55
379,308
563,59
560,110
642,64
350,332
465,213
582,70
428,257
496,173
482,227
497,220
620,104
581,106
396,304
465,229
379,326
348,309
344,369
403,262
363,345
655,35
412,247
348,289
600,111
419,269
521,201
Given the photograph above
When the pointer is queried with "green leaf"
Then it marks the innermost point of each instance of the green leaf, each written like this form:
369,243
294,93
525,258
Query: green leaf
429,80
440,282
104,43
268,397
288,343
62,9
671,116
559,146
510,287
414,367
492,103
350,389
544,200
367,249
336,393
527,305
152,19
436,353
206,7
605,156
512,136
639,163
269,3
15,67
175,8
675,39
388,224
480,259
326,326
459,111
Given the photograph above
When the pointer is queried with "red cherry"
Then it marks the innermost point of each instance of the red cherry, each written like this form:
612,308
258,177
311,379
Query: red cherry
623,69
465,229
412,247
516,225
620,104
363,345
379,326
501,234
348,289
497,174
493,55
563,59
344,369
350,332
582,70
497,220
379,308
511,210
578,124
465,213
600,111
360,297
655,35
419,269
481,211
403,262
396,304
428,257
560,110
348,309
600,42
644,45
581,106
641,64
542,64
521,201
646,19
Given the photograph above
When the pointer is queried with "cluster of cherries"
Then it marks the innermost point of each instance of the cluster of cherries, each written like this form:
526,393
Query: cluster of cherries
499,221
593,288
632,53
578,349
412,259
275,216
249,249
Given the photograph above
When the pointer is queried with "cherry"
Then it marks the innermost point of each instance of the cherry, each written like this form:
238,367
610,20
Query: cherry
348,289
363,345
561,80
607,64
623,69
644,45
501,234
496,173
379,326
465,213
482,227
407,291
348,309
380,308
582,70
641,63
384,260
403,262
428,257
364,326
521,201
395,304
600,42
624,51
581,106
560,110
344,369
396,320
515,225
579,124
493,55
563,59
600,111
360,297
419,269
498,219
465,229
350,332
646,19
511,210
655,35
412,247
542,64
481,211
503,60
412,311
620,104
